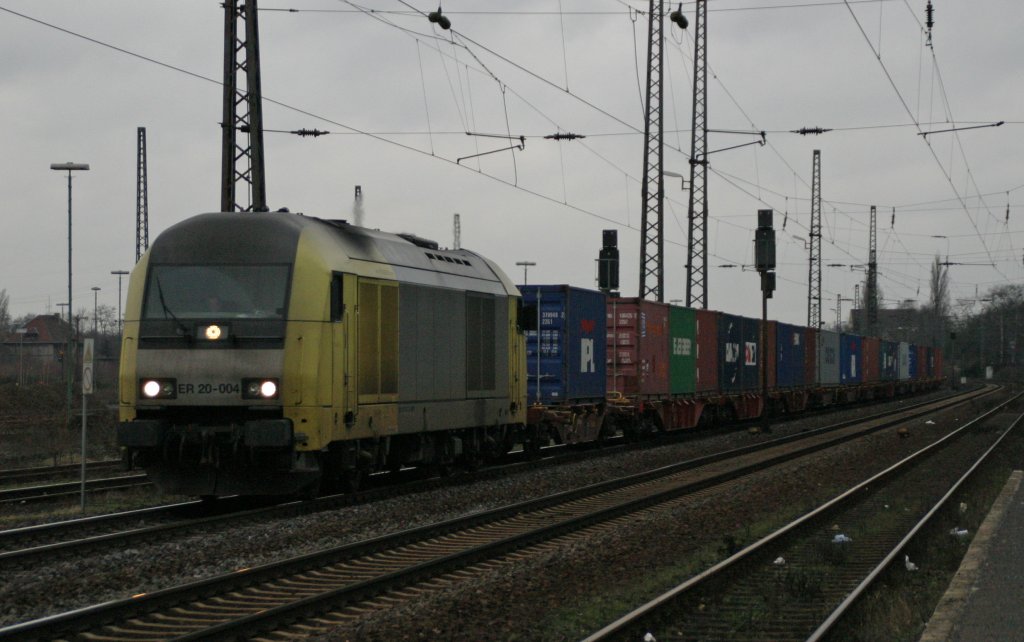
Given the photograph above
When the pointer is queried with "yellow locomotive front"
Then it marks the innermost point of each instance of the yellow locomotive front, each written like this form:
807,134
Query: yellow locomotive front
203,359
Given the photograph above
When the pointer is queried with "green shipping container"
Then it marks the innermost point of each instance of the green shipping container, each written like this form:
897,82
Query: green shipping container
682,323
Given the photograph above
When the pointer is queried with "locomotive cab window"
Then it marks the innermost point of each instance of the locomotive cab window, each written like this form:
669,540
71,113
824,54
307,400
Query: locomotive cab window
337,298
216,292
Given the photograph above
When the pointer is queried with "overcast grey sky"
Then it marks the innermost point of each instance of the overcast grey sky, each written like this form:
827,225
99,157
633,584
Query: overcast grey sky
529,68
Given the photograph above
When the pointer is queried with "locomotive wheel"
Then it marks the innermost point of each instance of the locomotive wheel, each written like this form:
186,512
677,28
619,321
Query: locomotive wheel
311,491
473,461
352,480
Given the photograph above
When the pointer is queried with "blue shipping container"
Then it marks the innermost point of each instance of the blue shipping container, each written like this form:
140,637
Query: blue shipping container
738,353
790,353
851,361
730,344
912,364
888,361
570,362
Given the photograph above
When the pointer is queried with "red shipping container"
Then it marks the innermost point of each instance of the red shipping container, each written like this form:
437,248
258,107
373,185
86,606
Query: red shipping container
638,350
939,366
922,362
707,351
871,356
810,356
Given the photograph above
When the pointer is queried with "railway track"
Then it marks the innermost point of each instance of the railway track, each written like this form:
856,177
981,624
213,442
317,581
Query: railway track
65,490
23,546
47,473
346,580
798,582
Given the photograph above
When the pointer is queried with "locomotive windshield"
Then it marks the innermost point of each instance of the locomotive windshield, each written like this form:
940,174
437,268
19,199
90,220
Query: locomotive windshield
216,292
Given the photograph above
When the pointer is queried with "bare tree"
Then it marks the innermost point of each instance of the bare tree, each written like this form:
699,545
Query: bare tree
939,306
940,288
5,313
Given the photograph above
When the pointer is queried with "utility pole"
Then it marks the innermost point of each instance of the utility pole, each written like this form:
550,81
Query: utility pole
141,198
243,111
814,269
872,287
652,243
697,211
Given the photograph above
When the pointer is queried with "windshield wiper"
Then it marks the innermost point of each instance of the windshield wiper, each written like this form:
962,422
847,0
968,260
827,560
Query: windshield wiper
168,313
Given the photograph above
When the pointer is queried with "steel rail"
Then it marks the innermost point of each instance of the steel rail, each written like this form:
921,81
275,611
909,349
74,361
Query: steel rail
56,491
178,597
25,544
875,573
20,475
650,610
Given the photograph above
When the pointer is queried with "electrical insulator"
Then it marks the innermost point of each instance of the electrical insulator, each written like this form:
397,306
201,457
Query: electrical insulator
678,17
439,18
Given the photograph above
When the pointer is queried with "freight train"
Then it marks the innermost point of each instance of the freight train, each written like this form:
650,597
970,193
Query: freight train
670,368
279,354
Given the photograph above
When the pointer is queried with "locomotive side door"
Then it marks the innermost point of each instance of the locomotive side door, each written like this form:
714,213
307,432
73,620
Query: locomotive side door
342,334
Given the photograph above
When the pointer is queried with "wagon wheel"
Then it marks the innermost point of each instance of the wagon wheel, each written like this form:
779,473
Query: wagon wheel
606,431
532,440
310,491
473,461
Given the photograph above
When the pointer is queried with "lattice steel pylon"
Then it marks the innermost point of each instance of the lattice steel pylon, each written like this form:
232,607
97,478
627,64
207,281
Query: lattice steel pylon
141,198
697,211
243,111
652,241
871,295
814,269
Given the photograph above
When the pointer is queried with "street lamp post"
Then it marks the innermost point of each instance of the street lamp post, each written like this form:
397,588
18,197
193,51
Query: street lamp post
95,309
120,327
526,265
69,167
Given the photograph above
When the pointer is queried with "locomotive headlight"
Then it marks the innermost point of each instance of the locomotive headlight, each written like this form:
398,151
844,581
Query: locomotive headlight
151,388
259,388
214,332
158,388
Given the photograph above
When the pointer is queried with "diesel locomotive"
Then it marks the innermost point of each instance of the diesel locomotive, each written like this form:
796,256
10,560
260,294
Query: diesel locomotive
276,353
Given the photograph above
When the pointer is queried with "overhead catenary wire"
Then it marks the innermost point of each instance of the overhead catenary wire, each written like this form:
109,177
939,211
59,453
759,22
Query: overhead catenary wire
466,67
931,149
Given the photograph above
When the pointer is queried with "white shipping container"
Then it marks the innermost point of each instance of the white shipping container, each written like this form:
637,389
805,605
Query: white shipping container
904,361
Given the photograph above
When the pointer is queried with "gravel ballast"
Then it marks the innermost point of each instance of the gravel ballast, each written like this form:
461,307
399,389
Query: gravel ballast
64,585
